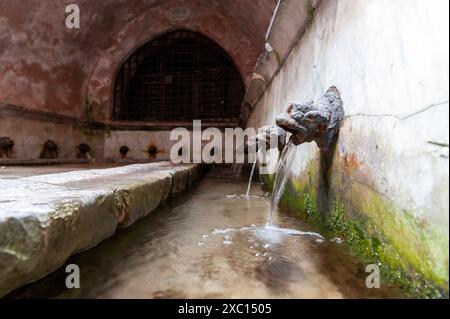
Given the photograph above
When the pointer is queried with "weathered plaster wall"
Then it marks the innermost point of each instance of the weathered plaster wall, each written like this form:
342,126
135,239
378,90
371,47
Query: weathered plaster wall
389,59
228,28
45,67
29,137
140,141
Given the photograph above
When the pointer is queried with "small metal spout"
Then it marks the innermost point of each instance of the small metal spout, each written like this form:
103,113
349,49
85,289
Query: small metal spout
319,122
6,147
152,151
124,151
84,151
49,150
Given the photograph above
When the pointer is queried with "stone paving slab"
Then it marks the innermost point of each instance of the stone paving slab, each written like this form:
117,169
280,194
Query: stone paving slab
46,218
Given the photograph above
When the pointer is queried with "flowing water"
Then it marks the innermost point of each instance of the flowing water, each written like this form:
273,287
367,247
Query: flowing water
282,174
251,178
203,244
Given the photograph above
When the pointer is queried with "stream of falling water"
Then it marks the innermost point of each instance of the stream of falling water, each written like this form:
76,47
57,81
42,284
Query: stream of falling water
203,244
282,173
250,179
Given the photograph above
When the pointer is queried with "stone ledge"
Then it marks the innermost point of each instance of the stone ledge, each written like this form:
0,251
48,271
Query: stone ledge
17,162
44,219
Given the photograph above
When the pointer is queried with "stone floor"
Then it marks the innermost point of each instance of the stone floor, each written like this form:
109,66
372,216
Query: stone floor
48,213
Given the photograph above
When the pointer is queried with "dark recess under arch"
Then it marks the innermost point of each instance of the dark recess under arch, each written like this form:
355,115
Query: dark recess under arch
179,76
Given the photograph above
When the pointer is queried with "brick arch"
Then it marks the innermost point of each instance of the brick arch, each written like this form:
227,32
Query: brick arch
150,25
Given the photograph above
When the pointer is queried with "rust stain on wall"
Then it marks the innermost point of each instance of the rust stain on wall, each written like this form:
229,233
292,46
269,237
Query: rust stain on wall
352,162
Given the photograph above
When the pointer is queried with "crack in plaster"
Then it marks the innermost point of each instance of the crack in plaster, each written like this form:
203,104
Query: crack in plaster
441,144
400,118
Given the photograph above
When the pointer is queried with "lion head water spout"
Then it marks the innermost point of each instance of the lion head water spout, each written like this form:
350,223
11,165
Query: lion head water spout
319,122
264,141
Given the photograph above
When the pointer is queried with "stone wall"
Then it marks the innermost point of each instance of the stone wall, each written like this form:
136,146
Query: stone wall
47,67
390,168
146,142
30,133
67,75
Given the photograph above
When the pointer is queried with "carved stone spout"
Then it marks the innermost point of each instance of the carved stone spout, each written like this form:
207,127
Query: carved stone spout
319,122
266,135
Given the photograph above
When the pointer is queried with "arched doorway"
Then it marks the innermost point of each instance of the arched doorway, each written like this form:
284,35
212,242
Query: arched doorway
179,76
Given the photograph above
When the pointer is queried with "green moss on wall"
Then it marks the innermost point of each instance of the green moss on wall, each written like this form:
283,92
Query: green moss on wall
411,254
371,246
267,181
310,10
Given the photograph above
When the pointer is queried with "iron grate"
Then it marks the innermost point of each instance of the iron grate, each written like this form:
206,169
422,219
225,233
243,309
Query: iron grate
177,77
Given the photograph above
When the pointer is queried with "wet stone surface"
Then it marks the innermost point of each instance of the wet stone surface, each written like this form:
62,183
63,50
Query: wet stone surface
209,243
45,218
